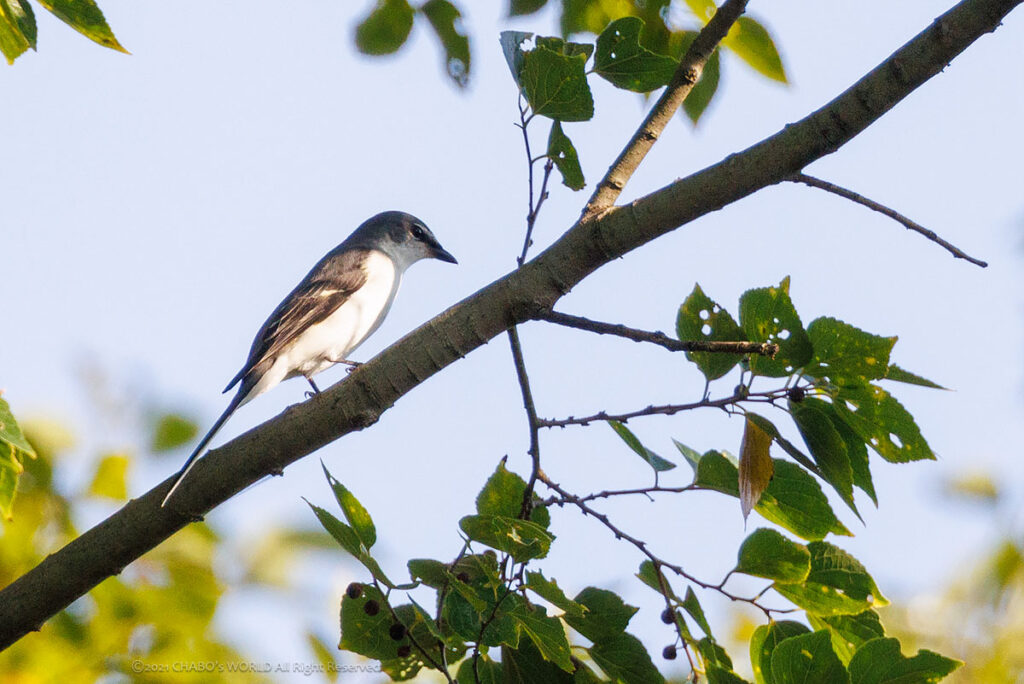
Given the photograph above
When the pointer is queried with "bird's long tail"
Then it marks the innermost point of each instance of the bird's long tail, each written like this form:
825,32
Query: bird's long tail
237,401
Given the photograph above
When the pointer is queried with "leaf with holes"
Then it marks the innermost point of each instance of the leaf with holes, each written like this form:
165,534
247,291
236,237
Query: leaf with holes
767,315
656,462
756,468
837,584
700,318
622,61
562,152
512,48
555,84
446,20
846,355
883,423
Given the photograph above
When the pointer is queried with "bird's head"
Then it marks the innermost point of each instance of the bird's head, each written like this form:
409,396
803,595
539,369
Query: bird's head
403,237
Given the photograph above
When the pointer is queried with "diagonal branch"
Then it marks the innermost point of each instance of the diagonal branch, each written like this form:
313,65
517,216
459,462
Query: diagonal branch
882,209
358,401
685,78
659,338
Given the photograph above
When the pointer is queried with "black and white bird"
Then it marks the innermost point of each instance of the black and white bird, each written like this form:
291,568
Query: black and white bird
339,303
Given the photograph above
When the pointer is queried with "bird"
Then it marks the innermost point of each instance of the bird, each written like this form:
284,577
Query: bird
340,302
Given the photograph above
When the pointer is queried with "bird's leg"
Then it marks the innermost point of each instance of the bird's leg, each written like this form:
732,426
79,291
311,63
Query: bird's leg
316,390
352,365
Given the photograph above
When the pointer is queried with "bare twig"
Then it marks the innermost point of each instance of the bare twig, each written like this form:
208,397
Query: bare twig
531,215
659,338
891,213
609,493
686,76
531,416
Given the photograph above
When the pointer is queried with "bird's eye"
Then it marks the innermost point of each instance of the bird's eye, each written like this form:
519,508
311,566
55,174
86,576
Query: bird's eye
417,232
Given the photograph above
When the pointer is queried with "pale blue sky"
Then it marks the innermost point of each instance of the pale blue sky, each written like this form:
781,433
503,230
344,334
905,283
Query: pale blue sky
158,206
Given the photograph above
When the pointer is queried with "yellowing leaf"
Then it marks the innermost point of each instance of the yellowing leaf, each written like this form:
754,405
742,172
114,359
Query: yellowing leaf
111,477
756,467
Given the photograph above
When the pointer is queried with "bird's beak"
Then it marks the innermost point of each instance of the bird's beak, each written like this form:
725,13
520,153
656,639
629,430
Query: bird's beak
443,254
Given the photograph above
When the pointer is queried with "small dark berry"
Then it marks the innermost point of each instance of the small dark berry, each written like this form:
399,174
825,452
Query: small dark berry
797,394
667,616
669,653
354,591
404,651
397,631
463,577
371,607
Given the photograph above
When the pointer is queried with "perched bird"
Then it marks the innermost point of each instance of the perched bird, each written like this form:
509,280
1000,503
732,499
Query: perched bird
339,303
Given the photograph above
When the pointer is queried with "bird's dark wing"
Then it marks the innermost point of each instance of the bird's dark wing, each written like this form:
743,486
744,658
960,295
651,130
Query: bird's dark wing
327,287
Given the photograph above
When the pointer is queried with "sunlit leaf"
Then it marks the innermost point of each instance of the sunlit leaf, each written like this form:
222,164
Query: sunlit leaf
85,17
622,61
763,642
111,477
847,355
880,662
767,315
700,318
837,584
752,43
503,495
849,632
807,659
17,29
756,467
358,517
522,539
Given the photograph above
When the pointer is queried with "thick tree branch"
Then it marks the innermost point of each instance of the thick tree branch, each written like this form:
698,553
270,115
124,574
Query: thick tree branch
882,209
686,76
659,338
358,401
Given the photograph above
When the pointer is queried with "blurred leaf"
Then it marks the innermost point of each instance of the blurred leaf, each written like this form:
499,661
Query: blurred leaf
849,632
654,460
17,29
14,449
763,643
756,467
555,85
767,315
897,374
766,553
883,423
880,661
522,539
111,477
552,593
172,431
807,659
445,18
525,665
606,616
386,28
323,655
358,517
624,659
752,43
836,585
8,487
520,7
85,17
826,445
847,355
562,152
623,62
975,486
700,318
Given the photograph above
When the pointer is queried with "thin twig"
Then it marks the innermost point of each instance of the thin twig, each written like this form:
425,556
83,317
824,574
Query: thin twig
534,208
891,213
686,76
531,417
609,493
657,337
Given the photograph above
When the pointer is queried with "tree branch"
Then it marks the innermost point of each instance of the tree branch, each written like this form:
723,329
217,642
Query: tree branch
358,401
659,338
882,209
685,77
531,417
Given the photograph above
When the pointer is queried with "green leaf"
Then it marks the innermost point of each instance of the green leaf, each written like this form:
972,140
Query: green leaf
357,516
767,315
718,675
897,374
763,642
518,8
696,103
787,446
847,355
431,572
807,659
880,661
526,665
716,472
489,671
445,18
752,43
503,495
692,606
172,431
700,318
111,478
756,467
386,28
14,449
624,659
713,653
565,47
857,450
522,539
17,28
366,630
545,632
654,460
349,540
692,456
555,85
826,445
563,154
512,48
85,17
606,615
551,592
766,553
849,632
648,574
883,423
623,62
836,585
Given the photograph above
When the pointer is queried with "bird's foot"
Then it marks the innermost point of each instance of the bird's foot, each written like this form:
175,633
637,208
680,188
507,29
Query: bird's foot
278,472
352,365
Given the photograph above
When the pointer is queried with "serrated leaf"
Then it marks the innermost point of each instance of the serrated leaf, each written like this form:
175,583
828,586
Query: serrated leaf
562,152
756,467
503,495
767,315
807,659
766,553
847,355
111,477
826,445
621,60
849,632
545,632
446,19
897,374
386,28
880,661
656,462
754,45
883,423
624,659
837,584
172,431
85,17
522,539
700,318
606,616
555,85
763,642
358,517
552,593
